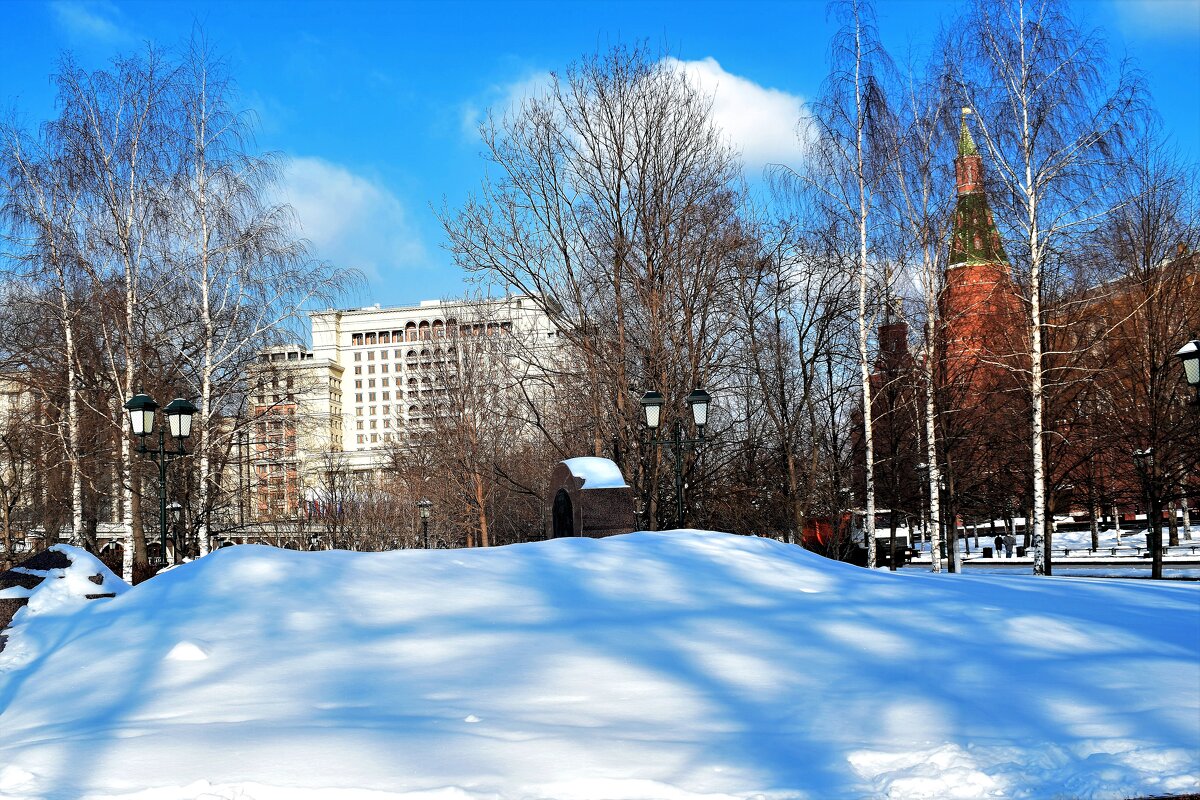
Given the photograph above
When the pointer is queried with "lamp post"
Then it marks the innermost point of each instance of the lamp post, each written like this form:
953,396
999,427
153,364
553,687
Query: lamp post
423,506
179,414
698,400
1144,460
923,476
1189,354
175,514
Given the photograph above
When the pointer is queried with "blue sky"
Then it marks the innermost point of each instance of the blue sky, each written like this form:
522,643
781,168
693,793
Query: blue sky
375,103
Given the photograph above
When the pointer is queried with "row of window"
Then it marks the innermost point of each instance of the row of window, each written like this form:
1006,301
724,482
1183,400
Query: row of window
385,383
411,355
294,355
386,408
426,330
384,368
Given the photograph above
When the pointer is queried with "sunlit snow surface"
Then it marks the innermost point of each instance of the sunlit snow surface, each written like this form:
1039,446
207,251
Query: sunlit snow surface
658,666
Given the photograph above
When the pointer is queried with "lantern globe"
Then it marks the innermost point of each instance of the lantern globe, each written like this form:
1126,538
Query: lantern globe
179,414
652,403
141,408
699,400
1189,354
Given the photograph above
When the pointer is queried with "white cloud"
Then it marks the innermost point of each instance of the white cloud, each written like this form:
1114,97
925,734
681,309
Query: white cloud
760,122
350,220
97,20
501,99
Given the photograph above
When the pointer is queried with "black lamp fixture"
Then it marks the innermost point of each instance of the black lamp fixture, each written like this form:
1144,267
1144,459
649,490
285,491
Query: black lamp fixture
1189,354
698,401
652,403
423,506
179,413
1144,461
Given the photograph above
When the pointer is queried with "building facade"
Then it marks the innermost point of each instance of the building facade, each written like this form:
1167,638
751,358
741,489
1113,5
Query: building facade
375,378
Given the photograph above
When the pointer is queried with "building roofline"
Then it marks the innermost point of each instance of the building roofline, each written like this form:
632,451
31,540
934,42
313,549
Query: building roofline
423,305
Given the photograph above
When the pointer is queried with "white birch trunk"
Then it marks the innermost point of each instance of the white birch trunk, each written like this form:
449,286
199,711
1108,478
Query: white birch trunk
127,388
73,428
71,442
935,512
863,327
1036,391
206,364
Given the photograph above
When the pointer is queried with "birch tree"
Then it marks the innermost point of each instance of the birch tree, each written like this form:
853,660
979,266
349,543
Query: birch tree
42,212
246,276
114,127
1052,124
849,122
919,206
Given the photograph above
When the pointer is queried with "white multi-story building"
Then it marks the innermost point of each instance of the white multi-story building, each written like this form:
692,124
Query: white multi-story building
372,377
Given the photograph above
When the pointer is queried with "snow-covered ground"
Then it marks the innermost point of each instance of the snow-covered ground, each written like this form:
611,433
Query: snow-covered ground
660,666
1125,550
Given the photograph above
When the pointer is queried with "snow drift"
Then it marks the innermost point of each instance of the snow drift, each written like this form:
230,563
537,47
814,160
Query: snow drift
671,665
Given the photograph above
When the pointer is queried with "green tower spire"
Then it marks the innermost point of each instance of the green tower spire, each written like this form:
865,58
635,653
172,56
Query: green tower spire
974,238
966,145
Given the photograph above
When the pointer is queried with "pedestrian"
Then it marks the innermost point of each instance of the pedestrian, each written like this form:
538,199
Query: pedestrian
999,545
1010,542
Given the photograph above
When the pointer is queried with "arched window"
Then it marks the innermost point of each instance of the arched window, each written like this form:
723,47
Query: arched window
410,332
439,330
423,331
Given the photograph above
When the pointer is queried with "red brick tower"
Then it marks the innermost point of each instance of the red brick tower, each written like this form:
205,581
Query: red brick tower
981,315
982,356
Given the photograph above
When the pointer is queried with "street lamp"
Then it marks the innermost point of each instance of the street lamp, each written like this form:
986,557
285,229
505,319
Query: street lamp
1189,354
923,476
175,514
179,412
423,506
1144,460
698,400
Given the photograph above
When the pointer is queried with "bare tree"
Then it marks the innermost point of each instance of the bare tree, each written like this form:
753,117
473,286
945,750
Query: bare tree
142,223
1052,127
42,214
851,144
246,275
615,207
1145,304
922,187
